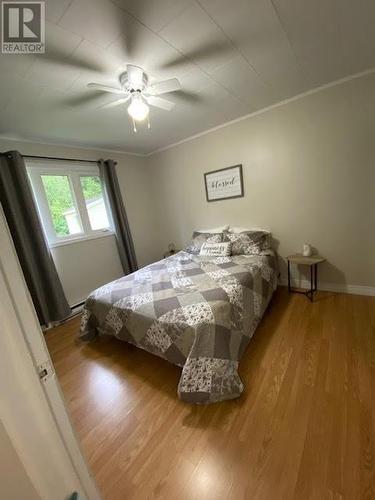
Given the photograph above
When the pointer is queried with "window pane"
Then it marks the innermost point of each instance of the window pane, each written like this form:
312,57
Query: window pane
64,214
93,194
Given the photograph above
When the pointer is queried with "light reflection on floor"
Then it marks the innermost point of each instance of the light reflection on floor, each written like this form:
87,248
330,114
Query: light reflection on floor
106,387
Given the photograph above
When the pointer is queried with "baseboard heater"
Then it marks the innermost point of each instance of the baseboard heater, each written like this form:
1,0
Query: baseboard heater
79,306
76,309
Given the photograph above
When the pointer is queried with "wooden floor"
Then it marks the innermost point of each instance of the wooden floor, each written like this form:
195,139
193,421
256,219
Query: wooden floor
303,429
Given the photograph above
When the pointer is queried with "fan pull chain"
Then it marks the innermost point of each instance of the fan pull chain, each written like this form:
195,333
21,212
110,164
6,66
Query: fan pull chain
148,122
134,126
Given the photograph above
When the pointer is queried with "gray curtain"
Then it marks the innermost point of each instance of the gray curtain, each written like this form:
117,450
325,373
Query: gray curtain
123,235
32,249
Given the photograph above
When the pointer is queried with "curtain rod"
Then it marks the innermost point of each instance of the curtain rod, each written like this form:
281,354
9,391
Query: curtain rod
60,159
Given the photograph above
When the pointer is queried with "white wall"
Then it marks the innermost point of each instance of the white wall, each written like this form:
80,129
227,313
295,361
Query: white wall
309,176
84,266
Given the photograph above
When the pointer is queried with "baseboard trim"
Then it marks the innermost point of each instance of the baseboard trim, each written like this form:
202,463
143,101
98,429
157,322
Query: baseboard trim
334,287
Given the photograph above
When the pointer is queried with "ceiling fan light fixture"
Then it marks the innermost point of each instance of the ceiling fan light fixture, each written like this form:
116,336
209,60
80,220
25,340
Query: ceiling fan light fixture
134,88
138,109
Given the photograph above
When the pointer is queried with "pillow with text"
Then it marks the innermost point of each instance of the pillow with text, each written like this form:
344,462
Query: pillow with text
215,249
198,239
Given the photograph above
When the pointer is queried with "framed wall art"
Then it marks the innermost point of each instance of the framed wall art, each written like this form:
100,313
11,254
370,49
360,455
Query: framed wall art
224,184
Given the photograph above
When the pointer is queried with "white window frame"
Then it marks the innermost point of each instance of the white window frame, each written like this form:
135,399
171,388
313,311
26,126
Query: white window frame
72,170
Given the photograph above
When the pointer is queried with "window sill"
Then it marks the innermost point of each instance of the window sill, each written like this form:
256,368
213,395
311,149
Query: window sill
81,239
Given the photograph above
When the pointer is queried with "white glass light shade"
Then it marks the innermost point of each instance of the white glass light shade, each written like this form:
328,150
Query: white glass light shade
138,109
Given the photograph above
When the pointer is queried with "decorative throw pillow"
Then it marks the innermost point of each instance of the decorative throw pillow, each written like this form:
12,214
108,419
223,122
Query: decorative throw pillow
249,242
216,249
199,238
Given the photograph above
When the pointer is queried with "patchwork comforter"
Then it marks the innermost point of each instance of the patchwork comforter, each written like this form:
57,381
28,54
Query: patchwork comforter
196,312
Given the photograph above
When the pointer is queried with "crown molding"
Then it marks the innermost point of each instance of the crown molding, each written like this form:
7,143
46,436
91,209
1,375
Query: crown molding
74,146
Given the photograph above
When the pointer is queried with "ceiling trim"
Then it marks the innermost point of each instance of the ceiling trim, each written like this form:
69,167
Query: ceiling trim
264,110
74,146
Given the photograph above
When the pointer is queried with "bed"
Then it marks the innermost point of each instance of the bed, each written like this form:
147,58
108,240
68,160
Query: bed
196,312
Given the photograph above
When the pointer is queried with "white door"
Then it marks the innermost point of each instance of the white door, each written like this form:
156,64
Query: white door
32,408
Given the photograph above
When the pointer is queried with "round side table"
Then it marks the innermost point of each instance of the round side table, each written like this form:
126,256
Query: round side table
312,262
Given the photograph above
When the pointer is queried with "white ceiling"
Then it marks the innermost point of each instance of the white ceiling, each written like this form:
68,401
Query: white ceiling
235,57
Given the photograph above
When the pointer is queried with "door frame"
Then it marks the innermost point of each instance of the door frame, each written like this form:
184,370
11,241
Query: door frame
32,409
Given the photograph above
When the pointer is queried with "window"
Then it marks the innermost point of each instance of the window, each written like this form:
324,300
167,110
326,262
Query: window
94,200
71,201
60,203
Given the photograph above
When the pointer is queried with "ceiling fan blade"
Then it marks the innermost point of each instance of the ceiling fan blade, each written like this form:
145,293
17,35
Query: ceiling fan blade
188,97
200,54
55,55
131,31
115,103
159,102
165,86
135,76
83,98
105,88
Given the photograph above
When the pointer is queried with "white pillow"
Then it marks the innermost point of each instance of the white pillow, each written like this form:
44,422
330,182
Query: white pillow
219,229
216,249
237,229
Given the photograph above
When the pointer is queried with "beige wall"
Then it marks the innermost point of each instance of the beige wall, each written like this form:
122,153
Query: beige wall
96,261
309,176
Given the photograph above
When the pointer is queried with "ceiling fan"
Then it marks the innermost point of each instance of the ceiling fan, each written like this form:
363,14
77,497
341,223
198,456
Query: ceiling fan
136,88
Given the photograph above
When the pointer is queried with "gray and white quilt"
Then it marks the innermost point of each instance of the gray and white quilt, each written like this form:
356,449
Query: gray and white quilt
196,312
